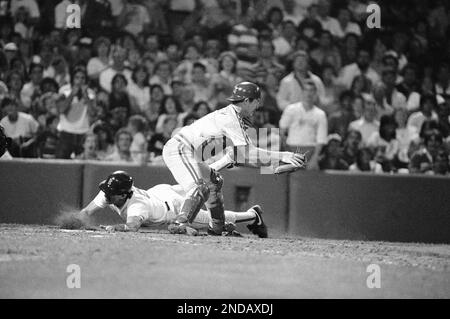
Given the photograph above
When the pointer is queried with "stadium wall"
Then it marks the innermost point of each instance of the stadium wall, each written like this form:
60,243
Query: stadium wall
35,191
312,204
404,208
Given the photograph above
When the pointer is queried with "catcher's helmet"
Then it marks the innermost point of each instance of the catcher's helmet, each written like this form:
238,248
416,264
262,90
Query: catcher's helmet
5,142
245,90
118,183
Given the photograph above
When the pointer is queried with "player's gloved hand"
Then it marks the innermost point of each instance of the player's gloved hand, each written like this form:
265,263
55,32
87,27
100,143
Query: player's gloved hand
296,159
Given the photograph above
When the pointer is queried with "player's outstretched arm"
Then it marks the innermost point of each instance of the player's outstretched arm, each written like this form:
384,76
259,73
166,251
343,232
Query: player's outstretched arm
89,210
252,156
133,224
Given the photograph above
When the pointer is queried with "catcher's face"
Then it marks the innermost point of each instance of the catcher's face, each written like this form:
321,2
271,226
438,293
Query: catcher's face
250,107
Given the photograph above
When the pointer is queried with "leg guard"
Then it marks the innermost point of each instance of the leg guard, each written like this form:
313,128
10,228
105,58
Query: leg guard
215,202
194,202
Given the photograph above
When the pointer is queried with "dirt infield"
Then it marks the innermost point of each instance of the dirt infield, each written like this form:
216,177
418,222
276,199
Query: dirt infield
155,264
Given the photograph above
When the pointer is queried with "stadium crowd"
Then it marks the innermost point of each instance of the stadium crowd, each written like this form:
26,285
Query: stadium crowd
365,99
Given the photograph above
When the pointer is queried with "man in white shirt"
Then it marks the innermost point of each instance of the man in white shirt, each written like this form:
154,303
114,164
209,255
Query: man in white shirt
20,127
292,86
305,124
119,55
361,66
367,124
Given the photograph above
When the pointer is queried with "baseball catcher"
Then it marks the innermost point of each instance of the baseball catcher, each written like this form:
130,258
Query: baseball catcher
220,132
158,205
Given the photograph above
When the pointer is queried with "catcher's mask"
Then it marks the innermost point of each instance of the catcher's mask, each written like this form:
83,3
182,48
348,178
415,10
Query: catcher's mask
5,142
118,183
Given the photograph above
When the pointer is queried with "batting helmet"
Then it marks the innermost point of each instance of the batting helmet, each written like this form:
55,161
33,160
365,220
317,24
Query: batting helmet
245,90
118,183
5,142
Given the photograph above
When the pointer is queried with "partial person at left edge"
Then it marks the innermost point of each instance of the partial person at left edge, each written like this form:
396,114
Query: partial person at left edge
5,142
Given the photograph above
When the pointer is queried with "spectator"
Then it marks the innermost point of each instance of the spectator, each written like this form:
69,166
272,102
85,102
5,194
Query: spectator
442,85
191,55
326,51
201,109
189,119
200,82
422,160
384,143
274,20
156,98
119,97
352,143
292,86
310,27
137,126
122,152
100,62
389,99
350,49
227,75
345,25
365,162
14,83
90,147
170,107
156,143
361,84
139,89
284,44
60,71
267,64
118,67
361,66
368,123
153,50
428,105
76,110
163,76
49,85
47,140
339,121
409,87
104,139
305,124
332,90
328,23
187,99
134,18
20,127
443,113
32,89
405,136
441,164
331,156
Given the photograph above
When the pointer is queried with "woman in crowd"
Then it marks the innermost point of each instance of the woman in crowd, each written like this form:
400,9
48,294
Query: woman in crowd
170,108
101,60
139,89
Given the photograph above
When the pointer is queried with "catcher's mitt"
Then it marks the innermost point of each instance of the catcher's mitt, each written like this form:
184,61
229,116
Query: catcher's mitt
289,168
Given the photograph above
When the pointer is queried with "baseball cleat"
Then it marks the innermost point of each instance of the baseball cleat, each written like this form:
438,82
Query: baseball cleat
182,229
258,227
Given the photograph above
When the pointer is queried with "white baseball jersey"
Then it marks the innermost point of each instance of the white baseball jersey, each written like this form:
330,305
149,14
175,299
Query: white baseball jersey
224,127
157,205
